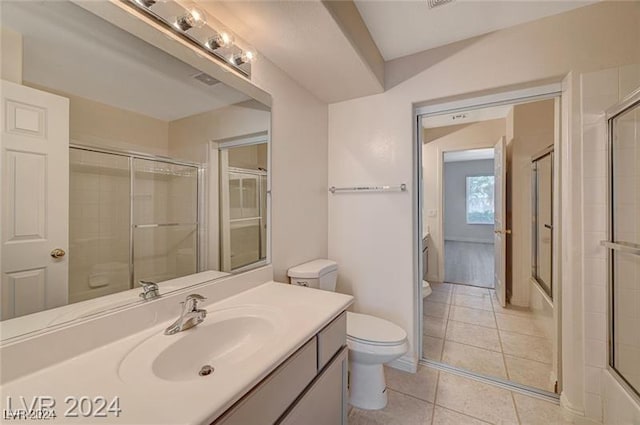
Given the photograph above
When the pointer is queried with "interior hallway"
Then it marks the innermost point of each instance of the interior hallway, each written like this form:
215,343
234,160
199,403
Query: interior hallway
464,326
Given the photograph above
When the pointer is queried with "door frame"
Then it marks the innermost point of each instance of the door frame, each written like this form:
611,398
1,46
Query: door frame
560,91
441,203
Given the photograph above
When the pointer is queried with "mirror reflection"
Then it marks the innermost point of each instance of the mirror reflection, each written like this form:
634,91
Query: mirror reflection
125,165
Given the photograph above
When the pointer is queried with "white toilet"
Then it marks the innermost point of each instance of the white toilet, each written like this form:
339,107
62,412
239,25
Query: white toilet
372,341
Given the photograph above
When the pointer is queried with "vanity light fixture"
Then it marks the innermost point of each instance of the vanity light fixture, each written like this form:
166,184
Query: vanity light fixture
211,37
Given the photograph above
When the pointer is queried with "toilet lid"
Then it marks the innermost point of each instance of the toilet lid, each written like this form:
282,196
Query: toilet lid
373,330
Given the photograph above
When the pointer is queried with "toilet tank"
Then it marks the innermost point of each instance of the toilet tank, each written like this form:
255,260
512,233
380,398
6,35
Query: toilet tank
319,274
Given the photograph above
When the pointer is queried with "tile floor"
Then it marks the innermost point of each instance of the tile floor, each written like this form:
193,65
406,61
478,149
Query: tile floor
464,326
432,397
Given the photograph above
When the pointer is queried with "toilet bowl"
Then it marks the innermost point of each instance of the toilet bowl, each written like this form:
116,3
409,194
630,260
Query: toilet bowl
372,341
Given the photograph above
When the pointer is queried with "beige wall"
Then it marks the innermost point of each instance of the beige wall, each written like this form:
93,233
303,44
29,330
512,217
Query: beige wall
98,124
10,55
484,134
533,131
189,137
370,141
250,157
299,170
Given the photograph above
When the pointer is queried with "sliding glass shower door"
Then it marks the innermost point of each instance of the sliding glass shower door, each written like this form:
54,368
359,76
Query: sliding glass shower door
624,243
131,219
165,220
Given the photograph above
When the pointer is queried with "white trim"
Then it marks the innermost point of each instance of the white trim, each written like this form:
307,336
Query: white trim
244,140
496,99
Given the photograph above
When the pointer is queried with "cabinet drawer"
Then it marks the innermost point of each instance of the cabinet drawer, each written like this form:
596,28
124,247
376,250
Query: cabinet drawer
331,339
271,397
324,402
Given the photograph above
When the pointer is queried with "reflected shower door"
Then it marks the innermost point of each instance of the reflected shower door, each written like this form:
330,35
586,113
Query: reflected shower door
99,224
165,220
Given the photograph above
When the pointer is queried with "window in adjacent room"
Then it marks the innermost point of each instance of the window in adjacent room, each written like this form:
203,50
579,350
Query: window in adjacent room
480,207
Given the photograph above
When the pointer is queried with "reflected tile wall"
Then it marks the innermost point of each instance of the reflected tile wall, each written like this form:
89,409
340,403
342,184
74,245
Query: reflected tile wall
98,224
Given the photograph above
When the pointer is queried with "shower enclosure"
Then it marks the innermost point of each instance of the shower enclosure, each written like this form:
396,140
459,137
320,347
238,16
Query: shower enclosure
243,201
542,220
623,243
132,218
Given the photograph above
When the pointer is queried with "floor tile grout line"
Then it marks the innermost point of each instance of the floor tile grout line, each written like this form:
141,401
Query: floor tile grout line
461,413
410,395
504,360
515,407
435,396
471,345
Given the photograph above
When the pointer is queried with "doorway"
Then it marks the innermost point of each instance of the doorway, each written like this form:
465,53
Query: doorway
469,217
485,313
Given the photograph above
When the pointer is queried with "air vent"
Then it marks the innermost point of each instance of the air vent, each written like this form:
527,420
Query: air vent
206,79
436,3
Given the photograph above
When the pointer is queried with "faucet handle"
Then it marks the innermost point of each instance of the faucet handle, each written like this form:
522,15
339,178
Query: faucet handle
147,285
192,300
149,290
196,297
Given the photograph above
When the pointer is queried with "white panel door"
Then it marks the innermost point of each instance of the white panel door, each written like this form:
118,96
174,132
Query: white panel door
500,230
34,174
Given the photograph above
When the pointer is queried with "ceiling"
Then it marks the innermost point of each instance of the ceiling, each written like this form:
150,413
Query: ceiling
466,117
73,51
304,39
401,27
469,155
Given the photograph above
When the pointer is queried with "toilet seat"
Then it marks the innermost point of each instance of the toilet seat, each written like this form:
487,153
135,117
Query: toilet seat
370,330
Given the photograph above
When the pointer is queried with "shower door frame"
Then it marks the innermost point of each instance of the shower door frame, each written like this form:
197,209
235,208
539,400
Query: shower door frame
631,101
131,156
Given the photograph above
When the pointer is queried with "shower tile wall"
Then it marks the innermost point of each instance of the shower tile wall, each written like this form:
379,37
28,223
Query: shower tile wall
599,91
99,225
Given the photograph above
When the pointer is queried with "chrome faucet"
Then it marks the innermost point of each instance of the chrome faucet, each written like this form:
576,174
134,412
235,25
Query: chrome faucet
190,315
149,290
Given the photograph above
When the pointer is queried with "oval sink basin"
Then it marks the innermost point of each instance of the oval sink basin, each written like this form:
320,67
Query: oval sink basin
224,340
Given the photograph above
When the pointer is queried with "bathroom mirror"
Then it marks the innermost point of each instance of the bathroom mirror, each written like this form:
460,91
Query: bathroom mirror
121,164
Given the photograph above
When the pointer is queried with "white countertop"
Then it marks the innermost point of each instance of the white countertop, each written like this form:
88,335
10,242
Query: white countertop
303,312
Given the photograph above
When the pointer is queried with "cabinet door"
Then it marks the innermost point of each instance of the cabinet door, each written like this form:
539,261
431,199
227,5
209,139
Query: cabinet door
324,402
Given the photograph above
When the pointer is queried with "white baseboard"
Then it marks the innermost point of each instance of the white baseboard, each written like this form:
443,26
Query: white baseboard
475,240
406,363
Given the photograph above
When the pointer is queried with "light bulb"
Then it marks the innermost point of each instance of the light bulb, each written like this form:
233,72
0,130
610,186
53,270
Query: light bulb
222,39
243,57
199,17
194,18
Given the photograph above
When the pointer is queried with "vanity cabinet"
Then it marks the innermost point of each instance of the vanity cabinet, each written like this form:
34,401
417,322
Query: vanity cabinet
310,387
